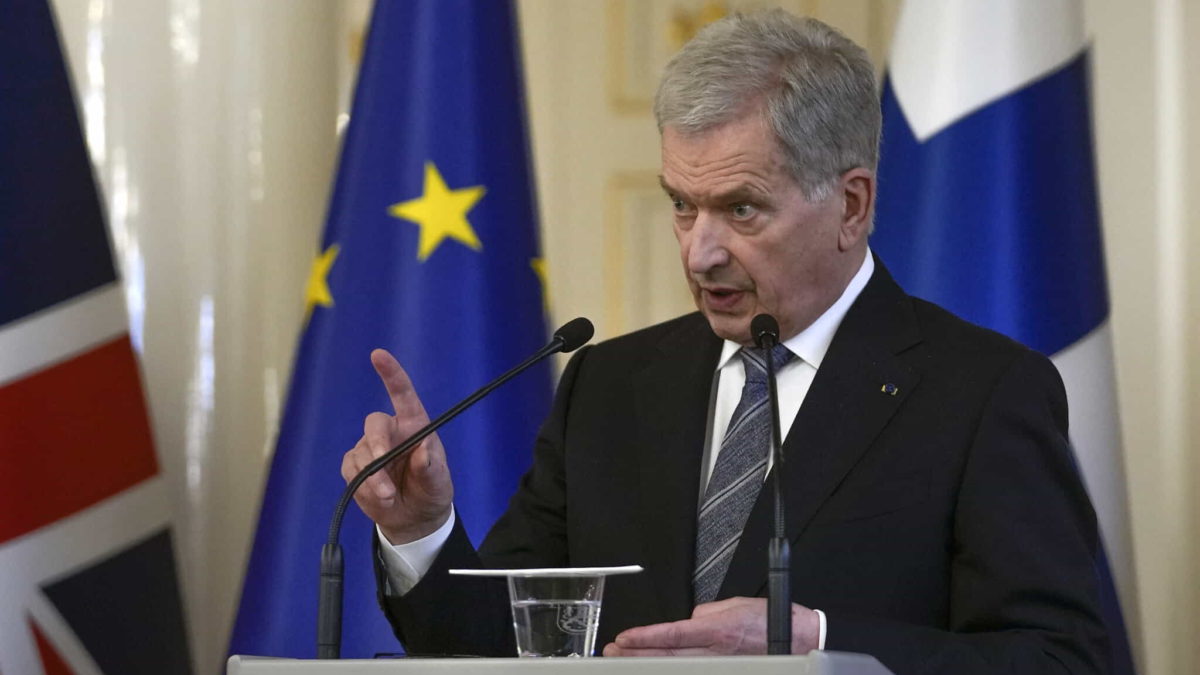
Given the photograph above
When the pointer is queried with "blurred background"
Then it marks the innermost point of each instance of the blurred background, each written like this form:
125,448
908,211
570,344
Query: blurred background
214,129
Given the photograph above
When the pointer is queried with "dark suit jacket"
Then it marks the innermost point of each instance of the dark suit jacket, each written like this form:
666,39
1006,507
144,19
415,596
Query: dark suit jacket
942,528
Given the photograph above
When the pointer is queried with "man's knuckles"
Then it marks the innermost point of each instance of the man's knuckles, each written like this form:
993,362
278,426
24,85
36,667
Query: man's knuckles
381,487
727,638
377,424
352,460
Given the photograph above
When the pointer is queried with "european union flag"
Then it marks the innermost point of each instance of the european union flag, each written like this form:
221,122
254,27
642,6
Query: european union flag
988,206
431,252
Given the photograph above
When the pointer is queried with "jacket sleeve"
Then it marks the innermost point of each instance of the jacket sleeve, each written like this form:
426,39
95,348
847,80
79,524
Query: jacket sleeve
454,615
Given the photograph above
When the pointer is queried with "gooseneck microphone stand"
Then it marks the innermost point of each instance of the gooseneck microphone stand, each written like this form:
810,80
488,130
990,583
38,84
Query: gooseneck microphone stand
765,331
571,336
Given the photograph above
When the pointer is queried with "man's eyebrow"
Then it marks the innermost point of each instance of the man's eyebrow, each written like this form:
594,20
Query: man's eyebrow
741,193
666,188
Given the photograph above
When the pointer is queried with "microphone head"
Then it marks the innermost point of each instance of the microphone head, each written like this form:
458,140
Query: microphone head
574,334
762,327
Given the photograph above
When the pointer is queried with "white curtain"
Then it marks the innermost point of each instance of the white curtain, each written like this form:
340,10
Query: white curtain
213,128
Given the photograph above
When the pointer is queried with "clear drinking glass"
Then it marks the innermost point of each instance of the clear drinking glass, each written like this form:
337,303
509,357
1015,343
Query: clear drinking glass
555,610
556,615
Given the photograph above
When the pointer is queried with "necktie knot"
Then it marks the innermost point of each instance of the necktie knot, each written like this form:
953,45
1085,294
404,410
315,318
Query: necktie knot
754,359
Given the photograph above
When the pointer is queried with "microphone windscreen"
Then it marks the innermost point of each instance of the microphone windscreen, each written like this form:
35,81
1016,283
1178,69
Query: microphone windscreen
762,326
574,334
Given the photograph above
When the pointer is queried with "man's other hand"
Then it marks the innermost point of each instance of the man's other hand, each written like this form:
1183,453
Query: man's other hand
733,626
411,497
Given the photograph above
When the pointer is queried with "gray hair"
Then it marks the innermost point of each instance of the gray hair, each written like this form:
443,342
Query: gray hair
816,89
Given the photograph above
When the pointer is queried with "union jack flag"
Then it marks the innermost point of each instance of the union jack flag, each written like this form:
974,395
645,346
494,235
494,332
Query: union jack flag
87,574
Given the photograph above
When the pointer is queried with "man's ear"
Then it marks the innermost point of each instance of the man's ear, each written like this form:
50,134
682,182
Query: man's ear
857,187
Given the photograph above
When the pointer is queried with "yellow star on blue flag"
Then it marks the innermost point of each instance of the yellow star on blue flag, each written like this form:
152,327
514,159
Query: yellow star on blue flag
316,291
441,213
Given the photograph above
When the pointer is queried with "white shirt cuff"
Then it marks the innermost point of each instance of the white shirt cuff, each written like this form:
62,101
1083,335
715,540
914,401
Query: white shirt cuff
407,563
821,634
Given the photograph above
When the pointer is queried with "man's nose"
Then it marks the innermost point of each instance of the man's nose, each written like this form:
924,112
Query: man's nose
707,249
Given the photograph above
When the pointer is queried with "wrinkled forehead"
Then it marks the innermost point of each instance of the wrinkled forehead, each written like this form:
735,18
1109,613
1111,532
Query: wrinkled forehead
737,151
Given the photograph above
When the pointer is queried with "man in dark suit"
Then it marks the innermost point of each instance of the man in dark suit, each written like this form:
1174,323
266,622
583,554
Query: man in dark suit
935,515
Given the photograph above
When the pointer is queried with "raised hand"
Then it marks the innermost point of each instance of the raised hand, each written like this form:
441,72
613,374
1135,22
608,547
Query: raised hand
411,497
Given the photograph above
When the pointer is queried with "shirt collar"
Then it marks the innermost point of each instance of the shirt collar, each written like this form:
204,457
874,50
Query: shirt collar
813,342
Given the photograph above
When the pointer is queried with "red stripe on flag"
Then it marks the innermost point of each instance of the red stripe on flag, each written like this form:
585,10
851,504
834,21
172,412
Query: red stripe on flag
52,662
72,435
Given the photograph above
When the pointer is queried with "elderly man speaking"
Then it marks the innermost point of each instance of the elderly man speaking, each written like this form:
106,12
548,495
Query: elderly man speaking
935,517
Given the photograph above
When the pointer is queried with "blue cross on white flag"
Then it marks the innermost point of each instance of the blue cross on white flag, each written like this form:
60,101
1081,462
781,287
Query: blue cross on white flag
988,207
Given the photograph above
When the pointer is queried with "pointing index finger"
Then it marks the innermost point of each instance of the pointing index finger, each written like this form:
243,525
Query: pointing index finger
399,387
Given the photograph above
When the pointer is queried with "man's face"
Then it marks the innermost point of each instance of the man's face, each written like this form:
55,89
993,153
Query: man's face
749,239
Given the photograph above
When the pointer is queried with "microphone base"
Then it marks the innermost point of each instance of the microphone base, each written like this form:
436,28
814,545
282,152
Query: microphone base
329,603
779,604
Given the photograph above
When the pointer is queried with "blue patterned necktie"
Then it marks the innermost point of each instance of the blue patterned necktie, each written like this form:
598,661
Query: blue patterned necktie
737,477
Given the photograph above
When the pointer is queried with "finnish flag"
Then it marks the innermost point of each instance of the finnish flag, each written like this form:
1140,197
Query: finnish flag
988,207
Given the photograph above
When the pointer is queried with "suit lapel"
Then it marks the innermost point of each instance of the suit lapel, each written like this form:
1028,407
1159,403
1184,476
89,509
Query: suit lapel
672,395
845,409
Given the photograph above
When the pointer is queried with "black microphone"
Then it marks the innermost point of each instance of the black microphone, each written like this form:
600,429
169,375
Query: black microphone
571,336
765,331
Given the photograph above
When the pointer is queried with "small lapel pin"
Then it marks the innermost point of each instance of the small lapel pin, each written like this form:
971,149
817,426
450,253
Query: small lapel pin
890,389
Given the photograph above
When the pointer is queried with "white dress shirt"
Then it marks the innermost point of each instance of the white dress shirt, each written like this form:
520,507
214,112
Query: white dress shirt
791,381
407,563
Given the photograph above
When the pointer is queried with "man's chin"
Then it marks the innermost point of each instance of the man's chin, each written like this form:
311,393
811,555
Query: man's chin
729,327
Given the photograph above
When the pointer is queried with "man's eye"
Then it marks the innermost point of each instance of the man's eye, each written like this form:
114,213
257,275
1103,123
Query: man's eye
743,211
679,205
